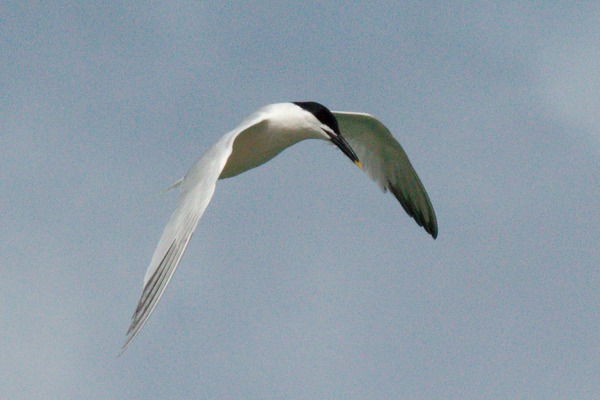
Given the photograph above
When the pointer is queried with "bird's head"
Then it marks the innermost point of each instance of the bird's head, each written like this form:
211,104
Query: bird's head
330,127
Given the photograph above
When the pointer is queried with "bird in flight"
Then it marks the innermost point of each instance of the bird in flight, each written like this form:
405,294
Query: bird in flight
259,138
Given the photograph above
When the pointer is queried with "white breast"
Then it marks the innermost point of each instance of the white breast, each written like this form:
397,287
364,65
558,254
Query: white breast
284,125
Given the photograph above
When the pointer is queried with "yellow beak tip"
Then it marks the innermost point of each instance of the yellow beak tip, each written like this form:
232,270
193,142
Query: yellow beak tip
358,164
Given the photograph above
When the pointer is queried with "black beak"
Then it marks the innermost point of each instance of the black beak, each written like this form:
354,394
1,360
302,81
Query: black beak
340,142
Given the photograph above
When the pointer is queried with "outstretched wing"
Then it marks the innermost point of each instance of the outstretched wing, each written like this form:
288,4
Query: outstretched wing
386,162
197,189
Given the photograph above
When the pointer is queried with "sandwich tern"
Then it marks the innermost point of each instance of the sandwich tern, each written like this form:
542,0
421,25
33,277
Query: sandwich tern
259,138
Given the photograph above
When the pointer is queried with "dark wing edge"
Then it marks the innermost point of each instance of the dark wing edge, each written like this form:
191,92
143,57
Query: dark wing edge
386,162
197,189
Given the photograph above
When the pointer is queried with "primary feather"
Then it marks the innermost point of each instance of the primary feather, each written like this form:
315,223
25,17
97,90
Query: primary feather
387,164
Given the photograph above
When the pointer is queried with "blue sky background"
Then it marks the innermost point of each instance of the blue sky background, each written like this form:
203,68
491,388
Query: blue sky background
303,280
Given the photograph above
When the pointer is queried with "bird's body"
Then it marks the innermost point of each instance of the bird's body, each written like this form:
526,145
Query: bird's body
270,130
259,138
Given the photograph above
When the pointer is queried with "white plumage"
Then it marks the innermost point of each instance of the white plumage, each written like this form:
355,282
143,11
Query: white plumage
259,138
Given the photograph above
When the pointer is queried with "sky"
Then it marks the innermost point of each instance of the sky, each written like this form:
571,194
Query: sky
303,280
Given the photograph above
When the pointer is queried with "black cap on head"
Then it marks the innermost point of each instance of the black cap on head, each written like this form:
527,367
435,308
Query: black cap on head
325,116
321,112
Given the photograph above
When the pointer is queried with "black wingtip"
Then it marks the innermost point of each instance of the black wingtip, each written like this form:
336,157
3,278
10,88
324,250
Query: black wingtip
429,224
433,231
